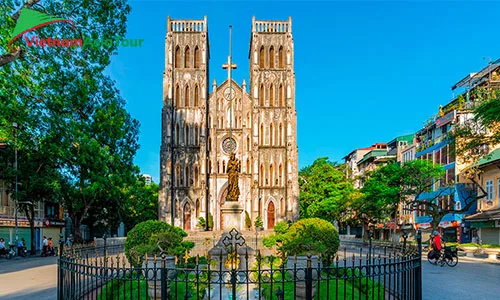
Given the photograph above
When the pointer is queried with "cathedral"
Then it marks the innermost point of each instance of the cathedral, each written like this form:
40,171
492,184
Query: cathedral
202,128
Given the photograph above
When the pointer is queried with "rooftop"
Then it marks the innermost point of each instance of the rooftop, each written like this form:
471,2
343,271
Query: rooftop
375,153
492,157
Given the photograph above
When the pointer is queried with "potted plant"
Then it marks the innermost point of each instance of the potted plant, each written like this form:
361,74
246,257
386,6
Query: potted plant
201,224
304,241
258,224
248,221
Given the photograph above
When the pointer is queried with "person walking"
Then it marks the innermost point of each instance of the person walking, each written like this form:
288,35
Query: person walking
45,246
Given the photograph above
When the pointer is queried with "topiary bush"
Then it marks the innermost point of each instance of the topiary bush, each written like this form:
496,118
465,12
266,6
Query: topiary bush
313,236
258,222
279,230
248,221
145,237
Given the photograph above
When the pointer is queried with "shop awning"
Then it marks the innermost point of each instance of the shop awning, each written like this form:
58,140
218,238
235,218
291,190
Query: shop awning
487,215
450,220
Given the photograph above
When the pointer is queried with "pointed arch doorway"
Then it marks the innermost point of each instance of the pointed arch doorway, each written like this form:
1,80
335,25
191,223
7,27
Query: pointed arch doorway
270,215
187,216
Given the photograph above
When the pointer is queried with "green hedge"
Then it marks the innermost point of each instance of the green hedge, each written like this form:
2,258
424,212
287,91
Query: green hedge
314,235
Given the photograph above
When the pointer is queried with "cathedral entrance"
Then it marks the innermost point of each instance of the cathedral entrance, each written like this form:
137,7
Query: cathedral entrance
187,216
270,215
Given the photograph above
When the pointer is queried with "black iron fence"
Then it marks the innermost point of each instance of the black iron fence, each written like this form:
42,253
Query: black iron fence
238,272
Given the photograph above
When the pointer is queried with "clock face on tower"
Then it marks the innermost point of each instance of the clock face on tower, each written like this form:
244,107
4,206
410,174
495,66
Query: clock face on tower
229,93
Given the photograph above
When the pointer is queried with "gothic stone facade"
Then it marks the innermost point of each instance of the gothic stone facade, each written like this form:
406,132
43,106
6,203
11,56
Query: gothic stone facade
196,135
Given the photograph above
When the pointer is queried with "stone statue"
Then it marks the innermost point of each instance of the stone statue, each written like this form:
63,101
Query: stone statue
233,169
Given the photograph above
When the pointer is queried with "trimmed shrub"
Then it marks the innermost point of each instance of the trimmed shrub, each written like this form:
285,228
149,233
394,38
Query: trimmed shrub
201,223
248,221
147,237
258,222
313,236
210,221
280,229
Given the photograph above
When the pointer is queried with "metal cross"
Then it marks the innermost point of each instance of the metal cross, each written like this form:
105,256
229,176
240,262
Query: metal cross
233,238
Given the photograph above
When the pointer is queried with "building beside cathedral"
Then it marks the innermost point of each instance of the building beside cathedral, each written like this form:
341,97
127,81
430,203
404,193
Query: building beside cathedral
200,128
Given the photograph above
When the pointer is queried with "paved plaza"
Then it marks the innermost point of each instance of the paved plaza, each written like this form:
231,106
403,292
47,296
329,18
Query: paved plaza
36,278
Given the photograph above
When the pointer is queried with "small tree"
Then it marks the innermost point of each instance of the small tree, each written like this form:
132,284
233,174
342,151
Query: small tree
313,236
258,222
210,221
248,221
201,223
151,237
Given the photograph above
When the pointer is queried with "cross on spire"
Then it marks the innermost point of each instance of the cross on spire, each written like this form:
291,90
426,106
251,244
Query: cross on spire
230,66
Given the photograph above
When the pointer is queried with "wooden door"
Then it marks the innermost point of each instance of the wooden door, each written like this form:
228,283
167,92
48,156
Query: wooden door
270,216
187,216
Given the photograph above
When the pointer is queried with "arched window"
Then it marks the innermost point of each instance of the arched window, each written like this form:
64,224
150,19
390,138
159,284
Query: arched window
209,167
271,175
196,135
261,175
280,135
177,175
196,96
271,135
209,144
281,58
186,97
262,134
271,95
187,58
280,174
196,176
186,136
262,58
261,95
177,96
198,206
224,166
271,57
177,63
248,120
197,57
177,134
249,166
176,208
187,176
248,143
218,167
281,96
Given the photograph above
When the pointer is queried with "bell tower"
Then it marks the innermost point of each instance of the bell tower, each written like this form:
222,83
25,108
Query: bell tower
272,89
183,196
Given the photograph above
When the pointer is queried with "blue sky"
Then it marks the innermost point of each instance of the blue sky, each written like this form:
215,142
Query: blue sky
366,72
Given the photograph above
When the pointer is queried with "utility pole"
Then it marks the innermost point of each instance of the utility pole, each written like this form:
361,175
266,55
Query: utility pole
15,199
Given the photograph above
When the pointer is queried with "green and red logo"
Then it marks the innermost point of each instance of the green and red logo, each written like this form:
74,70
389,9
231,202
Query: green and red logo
30,20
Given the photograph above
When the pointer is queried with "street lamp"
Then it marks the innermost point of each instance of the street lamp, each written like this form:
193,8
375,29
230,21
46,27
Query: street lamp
16,205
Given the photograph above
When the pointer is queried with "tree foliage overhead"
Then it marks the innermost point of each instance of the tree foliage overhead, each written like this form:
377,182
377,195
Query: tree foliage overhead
325,191
74,132
480,132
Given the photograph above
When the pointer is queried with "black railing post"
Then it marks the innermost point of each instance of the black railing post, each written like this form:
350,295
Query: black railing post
418,295
309,290
59,269
163,279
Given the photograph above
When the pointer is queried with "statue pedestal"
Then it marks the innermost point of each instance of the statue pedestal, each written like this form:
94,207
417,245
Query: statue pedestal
231,214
